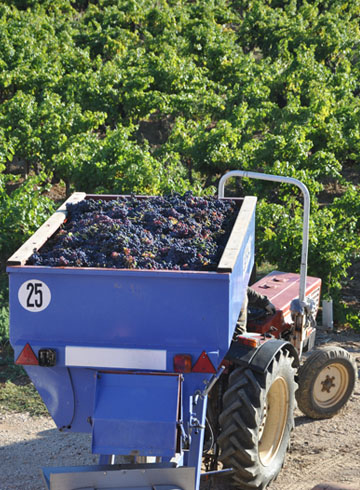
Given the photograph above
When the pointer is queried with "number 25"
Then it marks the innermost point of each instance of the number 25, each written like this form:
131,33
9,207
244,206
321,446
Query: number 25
35,297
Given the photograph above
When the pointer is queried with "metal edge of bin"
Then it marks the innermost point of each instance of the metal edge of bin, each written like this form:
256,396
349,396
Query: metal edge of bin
46,230
124,477
237,236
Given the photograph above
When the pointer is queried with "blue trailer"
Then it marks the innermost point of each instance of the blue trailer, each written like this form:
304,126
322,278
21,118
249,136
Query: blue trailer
132,356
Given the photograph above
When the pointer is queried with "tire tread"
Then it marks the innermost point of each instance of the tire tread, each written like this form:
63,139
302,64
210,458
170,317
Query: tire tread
241,417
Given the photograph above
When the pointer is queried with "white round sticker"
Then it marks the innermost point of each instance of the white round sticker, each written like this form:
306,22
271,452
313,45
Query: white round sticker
34,295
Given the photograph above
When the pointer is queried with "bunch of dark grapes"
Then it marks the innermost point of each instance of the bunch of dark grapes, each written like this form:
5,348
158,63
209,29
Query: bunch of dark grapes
174,232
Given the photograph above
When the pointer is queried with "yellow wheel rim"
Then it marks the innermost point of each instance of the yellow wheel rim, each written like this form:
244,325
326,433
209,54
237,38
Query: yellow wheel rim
274,420
330,385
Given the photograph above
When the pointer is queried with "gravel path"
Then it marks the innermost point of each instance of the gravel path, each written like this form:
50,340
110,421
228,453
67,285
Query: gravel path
27,444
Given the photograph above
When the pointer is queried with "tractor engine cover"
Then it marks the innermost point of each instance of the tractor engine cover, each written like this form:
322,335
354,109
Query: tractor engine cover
280,288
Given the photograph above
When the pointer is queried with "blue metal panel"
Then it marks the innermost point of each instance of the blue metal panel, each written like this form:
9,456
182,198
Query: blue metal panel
149,309
136,414
56,390
67,393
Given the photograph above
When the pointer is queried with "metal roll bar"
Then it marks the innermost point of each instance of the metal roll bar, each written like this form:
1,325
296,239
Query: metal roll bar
306,214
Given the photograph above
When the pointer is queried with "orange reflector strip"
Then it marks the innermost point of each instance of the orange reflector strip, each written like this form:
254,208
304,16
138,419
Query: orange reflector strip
182,363
27,357
251,342
203,364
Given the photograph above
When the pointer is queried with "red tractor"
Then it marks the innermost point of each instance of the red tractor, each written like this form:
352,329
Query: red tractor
271,367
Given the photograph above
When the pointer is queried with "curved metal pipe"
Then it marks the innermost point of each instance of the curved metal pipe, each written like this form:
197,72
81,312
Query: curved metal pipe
306,215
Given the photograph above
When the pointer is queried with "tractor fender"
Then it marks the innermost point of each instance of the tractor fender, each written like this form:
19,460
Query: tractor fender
265,353
260,358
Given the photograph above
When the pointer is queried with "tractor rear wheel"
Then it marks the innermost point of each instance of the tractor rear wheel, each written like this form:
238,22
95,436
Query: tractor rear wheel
326,382
257,420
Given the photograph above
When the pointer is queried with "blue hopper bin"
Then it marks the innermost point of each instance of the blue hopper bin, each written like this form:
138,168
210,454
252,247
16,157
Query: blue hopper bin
99,344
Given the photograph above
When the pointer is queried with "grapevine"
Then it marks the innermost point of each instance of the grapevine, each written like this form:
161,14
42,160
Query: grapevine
174,232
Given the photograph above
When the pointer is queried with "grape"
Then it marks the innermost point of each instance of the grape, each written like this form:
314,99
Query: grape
176,232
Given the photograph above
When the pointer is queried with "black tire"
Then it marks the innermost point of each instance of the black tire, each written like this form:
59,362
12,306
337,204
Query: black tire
326,381
256,422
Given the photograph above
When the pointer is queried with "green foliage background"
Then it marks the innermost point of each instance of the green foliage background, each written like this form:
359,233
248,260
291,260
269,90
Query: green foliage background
151,97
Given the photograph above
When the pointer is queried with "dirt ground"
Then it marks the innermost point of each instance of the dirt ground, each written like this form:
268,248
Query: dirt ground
321,451
326,450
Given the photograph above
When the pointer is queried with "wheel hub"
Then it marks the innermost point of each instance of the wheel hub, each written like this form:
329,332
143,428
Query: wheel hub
330,385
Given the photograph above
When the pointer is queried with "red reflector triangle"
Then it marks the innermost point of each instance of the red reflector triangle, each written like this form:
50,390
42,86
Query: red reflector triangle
27,357
203,364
